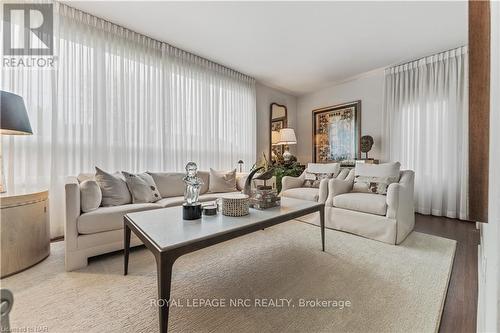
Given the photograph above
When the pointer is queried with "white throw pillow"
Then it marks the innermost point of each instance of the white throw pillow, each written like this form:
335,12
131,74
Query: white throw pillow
375,178
113,187
90,195
222,181
170,184
142,187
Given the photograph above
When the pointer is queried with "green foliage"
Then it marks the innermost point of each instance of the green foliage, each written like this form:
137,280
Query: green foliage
293,169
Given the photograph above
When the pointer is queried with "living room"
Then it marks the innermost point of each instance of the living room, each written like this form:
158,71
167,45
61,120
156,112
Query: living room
250,166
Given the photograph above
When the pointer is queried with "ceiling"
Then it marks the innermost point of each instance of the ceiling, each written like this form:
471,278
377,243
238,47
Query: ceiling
297,47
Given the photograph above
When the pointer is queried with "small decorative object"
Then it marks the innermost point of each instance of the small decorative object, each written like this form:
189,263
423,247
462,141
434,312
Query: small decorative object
336,133
240,163
235,205
248,183
265,177
265,198
191,209
366,144
287,137
210,209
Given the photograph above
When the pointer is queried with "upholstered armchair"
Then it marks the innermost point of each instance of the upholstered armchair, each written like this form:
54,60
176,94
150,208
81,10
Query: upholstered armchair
295,187
386,218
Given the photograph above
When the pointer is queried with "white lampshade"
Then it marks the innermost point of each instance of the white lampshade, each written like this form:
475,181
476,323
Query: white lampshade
287,136
275,138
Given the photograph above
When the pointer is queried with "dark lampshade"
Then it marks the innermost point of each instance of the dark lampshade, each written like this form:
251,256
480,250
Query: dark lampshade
13,115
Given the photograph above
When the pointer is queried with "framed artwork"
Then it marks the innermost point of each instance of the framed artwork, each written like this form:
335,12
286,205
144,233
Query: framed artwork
337,133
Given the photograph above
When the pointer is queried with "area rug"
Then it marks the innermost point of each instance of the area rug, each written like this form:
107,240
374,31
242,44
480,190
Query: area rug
274,280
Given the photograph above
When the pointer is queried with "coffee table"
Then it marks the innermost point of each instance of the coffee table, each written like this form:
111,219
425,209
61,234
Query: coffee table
168,236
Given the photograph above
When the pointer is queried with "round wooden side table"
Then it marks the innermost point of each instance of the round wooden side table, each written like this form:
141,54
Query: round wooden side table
24,229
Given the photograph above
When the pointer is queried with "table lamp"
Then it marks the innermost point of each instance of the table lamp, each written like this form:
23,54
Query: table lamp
287,137
13,121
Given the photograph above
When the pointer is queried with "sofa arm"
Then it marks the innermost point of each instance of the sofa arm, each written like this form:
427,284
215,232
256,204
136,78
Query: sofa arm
72,205
336,187
400,204
289,182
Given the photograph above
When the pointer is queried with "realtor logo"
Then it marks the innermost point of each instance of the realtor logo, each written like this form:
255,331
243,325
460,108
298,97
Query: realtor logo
28,29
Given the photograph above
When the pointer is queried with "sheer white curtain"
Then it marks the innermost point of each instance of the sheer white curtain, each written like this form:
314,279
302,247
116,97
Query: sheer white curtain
123,101
426,129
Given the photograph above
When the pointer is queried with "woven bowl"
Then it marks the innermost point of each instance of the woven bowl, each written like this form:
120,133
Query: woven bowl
235,205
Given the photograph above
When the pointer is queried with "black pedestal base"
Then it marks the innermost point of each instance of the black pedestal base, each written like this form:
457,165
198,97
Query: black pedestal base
191,212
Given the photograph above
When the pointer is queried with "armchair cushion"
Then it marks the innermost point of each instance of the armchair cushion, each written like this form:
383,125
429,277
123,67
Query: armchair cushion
303,193
362,202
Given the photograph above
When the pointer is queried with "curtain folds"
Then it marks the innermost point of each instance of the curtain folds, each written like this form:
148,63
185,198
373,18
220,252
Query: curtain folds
123,101
425,127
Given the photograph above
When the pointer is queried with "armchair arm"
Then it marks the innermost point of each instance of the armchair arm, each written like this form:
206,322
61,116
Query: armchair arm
72,204
336,187
400,204
289,182
323,190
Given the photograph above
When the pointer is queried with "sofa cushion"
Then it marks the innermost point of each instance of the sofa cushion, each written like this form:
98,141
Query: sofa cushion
362,202
142,187
214,196
90,195
85,176
109,218
205,176
222,181
170,202
303,193
179,200
113,187
170,184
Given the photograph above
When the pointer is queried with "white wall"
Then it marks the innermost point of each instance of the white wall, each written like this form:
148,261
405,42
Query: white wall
367,87
488,319
266,96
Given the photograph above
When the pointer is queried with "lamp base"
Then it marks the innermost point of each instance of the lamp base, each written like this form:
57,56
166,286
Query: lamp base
287,155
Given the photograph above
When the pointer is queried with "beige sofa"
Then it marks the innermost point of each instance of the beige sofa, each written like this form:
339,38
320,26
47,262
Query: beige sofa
101,231
386,218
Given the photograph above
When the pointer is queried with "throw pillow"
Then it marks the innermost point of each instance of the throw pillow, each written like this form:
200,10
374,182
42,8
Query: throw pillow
373,178
169,184
314,182
113,188
222,181
315,172
142,187
90,195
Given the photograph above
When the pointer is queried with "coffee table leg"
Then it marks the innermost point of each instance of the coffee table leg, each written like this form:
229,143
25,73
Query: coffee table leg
164,265
126,247
322,225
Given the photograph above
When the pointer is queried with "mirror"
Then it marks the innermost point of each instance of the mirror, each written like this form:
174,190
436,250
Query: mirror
278,120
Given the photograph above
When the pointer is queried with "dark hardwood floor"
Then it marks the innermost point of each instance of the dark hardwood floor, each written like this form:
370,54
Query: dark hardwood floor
460,308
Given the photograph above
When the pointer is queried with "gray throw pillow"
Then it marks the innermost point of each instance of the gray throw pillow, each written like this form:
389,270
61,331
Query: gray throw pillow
222,181
142,187
90,195
113,188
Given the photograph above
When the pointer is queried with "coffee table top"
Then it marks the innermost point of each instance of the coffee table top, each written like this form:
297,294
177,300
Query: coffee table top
167,230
